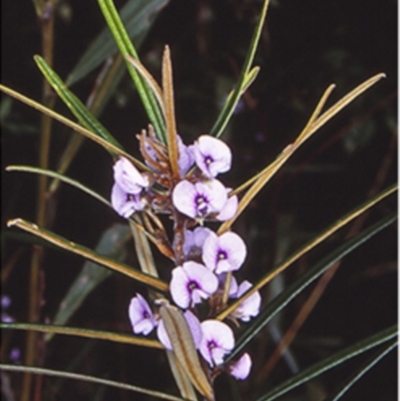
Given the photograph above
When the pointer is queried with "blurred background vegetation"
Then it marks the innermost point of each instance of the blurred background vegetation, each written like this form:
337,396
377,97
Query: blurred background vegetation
305,46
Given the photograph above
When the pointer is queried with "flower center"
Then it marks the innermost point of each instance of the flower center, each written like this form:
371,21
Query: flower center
130,197
192,285
222,255
208,160
201,205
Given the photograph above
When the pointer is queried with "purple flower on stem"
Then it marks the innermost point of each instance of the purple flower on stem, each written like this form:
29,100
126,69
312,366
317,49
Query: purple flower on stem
241,368
141,316
212,156
194,327
194,240
190,283
217,341
200,199
224,253
129,183
250,307
185,159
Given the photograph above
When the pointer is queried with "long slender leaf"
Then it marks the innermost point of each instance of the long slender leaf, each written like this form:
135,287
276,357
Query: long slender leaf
308,247
331,362
111,244
89,254
89,379
137,17
370,363
78,109
126,48
76,127
85,333
305,280
61,177
184,349
244,79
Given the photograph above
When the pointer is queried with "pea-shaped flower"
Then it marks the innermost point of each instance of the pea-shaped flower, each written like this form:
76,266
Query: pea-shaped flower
224,253
250,307
141,316
212,156
128,185
194,241
191,283
217,341
200,199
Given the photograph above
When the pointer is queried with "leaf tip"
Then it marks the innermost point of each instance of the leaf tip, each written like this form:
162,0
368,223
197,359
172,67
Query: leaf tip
13,222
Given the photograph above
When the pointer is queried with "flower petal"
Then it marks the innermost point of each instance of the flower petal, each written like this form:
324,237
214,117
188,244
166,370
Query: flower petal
229,210
128,177
125,204
250,307
241,368
184,198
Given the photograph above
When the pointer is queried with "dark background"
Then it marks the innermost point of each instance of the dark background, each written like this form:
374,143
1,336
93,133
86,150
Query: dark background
305,46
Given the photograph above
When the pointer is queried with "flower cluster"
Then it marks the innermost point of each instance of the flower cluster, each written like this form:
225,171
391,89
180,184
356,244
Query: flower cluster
203,258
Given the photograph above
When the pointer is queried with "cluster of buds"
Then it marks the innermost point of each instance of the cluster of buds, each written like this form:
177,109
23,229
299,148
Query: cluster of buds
204,261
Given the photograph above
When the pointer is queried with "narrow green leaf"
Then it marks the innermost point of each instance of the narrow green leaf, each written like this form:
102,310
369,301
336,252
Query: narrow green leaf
111,244
370,363
89,379
244,78
184,348
126,48
137,16
78,109
88,254
85,333
61,177
331,362
305,280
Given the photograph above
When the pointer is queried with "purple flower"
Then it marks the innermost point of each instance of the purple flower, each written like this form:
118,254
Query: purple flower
185,159
200,199
194,327
125,203
129,183
217,341
194,241
212,156
233,287
250,307
224,253
241,368
141,316
190,283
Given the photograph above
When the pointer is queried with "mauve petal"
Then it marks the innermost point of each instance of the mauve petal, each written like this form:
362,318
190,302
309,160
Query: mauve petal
178,288
250,307
194,240
235,248
194,327
216,194
241,369
163,336
207,281
185,160
234,286
211,155
210,251
229,210
129,177
183,198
